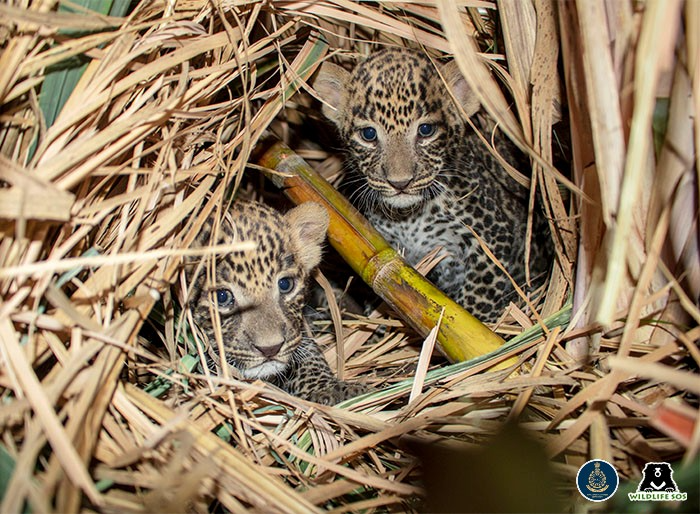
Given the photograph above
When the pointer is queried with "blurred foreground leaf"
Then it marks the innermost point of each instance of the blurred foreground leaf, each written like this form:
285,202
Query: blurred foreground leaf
61,79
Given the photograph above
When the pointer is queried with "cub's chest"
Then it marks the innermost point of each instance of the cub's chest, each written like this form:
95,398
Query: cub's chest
418,233
449,222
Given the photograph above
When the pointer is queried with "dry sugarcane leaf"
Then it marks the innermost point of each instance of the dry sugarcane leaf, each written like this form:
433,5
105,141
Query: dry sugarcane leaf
656,43
476,74
674,181
30,197
519,32
356,12
603,103
65,452
60,20
261,489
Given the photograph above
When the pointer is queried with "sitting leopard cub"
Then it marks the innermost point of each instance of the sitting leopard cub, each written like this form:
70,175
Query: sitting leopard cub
259,295
425,177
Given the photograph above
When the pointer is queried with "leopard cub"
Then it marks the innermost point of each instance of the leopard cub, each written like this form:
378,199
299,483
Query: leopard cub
256,298
423,178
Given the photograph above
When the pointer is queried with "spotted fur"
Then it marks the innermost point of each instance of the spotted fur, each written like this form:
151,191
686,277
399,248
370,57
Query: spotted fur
257,297
424,179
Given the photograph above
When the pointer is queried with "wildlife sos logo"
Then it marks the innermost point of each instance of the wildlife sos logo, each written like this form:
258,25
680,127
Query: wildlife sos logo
597,480
657,484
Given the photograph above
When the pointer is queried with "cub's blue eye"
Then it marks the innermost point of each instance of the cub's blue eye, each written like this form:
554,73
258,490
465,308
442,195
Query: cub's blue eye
369,134
224,298
285,285
426,129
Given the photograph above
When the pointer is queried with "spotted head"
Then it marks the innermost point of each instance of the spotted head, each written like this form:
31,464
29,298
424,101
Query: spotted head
256,296
398,122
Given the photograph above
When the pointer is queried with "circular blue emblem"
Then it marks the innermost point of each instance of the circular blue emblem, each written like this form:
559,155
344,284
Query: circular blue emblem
597,480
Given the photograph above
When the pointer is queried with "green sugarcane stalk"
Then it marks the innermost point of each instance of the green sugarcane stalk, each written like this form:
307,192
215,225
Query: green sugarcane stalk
416,300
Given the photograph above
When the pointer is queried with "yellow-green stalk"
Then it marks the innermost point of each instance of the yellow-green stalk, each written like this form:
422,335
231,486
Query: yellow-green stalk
419,303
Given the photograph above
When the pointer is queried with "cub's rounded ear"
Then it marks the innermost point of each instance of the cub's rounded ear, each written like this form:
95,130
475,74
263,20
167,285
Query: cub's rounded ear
330,84
308,223
459,87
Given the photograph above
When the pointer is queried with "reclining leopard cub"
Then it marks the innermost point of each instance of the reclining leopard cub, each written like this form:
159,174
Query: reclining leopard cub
425,176
259,295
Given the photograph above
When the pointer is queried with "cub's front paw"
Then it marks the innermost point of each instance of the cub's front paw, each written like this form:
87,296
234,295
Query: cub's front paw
336,393
352,389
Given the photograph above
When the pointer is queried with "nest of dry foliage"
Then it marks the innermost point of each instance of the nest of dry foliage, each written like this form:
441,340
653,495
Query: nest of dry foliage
102,405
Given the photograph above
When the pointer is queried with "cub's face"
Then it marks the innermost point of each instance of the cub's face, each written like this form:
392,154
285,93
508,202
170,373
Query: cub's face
397,120
256,297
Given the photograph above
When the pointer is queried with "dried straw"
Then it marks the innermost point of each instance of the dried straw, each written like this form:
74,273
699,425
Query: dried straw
99,206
